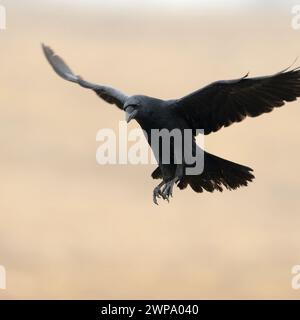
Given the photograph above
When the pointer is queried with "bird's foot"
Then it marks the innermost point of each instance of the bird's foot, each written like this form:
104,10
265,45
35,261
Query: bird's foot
164,190
157,194
167,191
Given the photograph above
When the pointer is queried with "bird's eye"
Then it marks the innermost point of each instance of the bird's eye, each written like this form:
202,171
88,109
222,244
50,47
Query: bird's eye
130,108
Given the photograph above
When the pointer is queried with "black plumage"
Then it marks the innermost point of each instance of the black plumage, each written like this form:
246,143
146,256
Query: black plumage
215,106
225,102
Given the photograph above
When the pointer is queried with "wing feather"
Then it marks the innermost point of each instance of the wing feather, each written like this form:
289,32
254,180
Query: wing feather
224,102
109,94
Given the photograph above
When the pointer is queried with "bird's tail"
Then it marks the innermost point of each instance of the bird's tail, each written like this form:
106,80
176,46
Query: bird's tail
217,174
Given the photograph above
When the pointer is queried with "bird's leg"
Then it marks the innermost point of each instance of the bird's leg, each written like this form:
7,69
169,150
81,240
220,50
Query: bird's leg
168,189
157,192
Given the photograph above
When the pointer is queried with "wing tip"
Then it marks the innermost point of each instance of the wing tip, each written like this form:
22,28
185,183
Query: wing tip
288,69
47,50
58,65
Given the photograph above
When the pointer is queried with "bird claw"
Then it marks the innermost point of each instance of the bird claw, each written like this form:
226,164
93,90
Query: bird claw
156,194
166,192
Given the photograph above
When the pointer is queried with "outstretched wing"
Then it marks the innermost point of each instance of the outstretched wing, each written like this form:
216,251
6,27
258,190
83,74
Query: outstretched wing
108,94
225,102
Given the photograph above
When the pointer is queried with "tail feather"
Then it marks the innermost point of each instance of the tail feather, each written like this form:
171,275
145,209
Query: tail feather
218,173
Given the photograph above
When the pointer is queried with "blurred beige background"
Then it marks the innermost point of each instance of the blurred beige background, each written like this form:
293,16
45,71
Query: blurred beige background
73,229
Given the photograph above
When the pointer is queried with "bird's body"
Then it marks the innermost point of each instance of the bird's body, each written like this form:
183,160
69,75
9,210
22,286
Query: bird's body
215,106
159,115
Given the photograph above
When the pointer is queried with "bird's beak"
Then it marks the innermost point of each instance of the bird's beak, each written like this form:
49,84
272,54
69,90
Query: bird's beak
130,113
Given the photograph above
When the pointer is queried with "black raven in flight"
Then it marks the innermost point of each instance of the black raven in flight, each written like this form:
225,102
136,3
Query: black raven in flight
217,105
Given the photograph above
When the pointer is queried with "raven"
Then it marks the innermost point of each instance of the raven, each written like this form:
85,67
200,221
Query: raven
217,105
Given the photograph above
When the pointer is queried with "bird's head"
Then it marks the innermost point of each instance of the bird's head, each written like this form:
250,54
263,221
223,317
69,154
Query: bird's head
132,107
141,107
